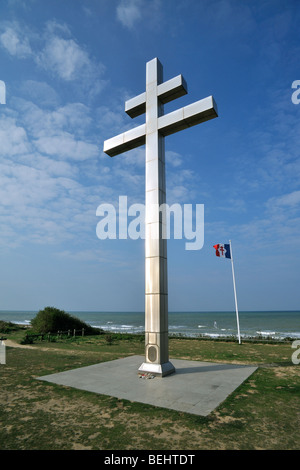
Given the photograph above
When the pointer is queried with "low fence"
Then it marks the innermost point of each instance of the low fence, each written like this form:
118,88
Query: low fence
234,339
54,336
50,335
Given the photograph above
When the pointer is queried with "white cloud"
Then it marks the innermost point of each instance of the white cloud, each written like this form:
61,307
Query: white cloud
178,194
15,42
64,145
112,120
22,185
60,133
45,199
129,12
41,207
73,117
40,92
284,210
287,200
49,165
173,158
273,227
132,12
64,57
53,26
13,138
56,52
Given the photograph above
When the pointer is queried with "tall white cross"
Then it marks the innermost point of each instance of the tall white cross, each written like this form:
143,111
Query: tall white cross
152,133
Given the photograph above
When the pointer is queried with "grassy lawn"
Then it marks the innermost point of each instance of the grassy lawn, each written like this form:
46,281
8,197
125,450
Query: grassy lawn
263,413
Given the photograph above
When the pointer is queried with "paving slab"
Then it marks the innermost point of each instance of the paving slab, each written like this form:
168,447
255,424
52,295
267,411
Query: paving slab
196,387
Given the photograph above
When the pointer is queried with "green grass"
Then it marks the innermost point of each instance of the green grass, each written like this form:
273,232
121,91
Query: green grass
263,413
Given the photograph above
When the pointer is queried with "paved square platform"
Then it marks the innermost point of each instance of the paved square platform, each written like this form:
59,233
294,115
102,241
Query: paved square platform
196,387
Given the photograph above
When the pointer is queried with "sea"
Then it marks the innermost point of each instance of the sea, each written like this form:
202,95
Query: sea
267,324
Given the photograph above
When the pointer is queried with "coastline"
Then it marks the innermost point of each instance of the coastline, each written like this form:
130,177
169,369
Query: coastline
277,325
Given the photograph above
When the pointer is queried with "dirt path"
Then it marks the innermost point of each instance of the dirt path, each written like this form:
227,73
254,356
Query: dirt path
13,344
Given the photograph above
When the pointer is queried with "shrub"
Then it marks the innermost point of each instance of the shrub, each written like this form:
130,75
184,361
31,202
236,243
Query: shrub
7,326
52,319
27,340
109,339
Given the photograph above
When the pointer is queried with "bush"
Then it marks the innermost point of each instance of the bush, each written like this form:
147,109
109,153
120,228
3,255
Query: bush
27,340
52,319
109,339
7,326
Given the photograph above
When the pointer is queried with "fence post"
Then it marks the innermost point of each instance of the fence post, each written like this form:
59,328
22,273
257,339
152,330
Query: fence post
82,331
74,333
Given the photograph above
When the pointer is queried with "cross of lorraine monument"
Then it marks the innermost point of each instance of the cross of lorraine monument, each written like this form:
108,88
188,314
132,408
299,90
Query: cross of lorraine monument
158,125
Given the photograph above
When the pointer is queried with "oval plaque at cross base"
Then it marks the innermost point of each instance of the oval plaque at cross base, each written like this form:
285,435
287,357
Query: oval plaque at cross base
152,353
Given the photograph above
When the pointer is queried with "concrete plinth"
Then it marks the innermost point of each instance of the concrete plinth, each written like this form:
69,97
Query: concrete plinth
196,387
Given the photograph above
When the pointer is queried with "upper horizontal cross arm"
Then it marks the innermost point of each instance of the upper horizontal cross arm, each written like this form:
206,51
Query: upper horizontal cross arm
167,91
188,116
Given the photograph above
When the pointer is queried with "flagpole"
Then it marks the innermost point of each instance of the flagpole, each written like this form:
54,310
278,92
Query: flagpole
235,298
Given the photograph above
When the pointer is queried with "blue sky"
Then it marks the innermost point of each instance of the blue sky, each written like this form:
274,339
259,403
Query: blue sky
68,67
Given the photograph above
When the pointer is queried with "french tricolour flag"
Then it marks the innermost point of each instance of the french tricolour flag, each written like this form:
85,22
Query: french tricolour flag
223,250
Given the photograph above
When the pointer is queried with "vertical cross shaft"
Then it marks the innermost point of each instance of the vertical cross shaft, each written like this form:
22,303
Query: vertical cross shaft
156,284
152,133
